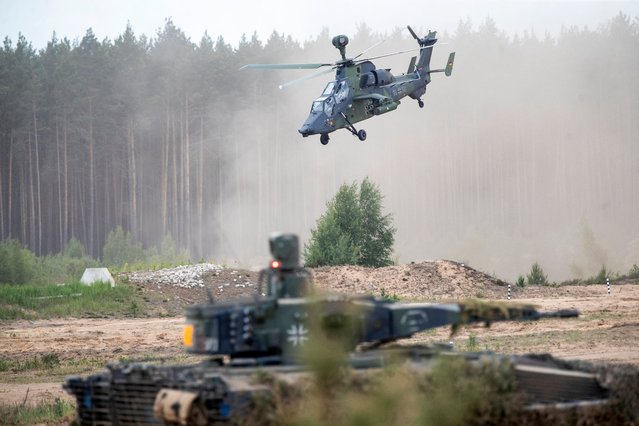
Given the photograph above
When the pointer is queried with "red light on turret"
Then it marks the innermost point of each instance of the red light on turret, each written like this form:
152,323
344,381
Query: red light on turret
276,264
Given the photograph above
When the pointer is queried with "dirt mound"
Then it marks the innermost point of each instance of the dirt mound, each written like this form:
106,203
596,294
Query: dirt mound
173,289
432,280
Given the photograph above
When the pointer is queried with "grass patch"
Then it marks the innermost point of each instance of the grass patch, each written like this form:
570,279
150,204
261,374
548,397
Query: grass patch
57,412
42,362
532,342
388,297
472,345
49,368
71,300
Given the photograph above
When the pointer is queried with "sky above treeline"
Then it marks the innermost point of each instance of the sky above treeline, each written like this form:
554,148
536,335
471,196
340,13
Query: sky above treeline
37,20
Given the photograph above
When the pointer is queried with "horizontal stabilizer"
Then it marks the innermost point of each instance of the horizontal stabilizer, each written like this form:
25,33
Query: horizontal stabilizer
449,66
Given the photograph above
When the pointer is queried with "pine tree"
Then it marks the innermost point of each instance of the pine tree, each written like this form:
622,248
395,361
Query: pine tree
536,275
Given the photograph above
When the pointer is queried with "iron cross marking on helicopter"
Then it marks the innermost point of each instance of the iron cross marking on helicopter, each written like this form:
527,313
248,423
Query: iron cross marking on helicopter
360,90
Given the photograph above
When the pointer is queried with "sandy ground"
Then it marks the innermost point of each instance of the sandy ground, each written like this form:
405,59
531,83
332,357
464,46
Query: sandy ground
606,332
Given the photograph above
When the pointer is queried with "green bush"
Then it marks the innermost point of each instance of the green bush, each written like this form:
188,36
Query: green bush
600,278
168,254
634,271
521,281
353,230
120,249
74,249
329,246
536,275
17,264
61,268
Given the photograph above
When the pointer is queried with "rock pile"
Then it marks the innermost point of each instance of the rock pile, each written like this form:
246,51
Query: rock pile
188,276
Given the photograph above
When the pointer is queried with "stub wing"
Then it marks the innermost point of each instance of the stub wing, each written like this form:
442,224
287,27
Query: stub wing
373,96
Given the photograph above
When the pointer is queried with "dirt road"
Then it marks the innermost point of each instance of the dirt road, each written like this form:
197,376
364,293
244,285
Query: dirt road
88,343
606,331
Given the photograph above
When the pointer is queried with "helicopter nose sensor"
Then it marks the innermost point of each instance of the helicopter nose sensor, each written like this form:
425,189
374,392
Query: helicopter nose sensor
340,43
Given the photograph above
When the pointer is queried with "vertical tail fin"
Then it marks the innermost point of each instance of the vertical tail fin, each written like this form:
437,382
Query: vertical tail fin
411,66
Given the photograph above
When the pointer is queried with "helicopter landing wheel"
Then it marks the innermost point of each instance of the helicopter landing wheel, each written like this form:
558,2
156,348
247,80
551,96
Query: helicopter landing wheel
361,134
324,138
420,103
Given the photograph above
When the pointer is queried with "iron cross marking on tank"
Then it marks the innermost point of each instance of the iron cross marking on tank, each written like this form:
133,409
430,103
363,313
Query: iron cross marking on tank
297,334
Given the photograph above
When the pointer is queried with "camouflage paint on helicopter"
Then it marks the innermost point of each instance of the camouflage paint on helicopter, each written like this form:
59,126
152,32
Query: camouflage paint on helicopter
360,90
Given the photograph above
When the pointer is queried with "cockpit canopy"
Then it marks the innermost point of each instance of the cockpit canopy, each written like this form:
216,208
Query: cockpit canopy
334,94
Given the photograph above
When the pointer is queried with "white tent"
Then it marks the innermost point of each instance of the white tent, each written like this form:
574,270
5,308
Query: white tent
93,275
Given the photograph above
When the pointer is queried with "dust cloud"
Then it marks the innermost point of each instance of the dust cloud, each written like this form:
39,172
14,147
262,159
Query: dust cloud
528,153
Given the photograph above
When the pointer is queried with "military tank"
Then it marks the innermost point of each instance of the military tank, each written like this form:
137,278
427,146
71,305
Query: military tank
267,333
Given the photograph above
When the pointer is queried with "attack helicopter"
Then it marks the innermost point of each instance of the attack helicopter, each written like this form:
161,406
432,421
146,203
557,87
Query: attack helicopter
360,89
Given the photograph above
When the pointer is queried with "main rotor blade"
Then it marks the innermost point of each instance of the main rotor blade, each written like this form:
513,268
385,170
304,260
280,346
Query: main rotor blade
373,46
412,32
306,77
396,53
286,66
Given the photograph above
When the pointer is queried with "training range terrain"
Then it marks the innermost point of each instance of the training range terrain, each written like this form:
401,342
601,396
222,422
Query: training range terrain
606,332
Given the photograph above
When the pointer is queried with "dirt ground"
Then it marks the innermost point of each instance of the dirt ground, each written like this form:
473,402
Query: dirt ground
606,332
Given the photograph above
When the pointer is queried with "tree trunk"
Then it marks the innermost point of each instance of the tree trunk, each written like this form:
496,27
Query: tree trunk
58,175
66,182
238,189
220,197
32,210
10,189
37,170
133,190
91,200
165,176
1,207
174,181
181,225
187,177
200,190
24,201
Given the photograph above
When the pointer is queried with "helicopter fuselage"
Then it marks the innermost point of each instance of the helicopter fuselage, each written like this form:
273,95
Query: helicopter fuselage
358,93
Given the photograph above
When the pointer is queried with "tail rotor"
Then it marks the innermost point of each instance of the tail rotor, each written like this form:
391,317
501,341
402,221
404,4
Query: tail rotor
429,40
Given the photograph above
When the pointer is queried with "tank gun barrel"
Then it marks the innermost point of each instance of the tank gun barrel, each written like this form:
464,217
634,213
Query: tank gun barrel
492,312
406,319
562,313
